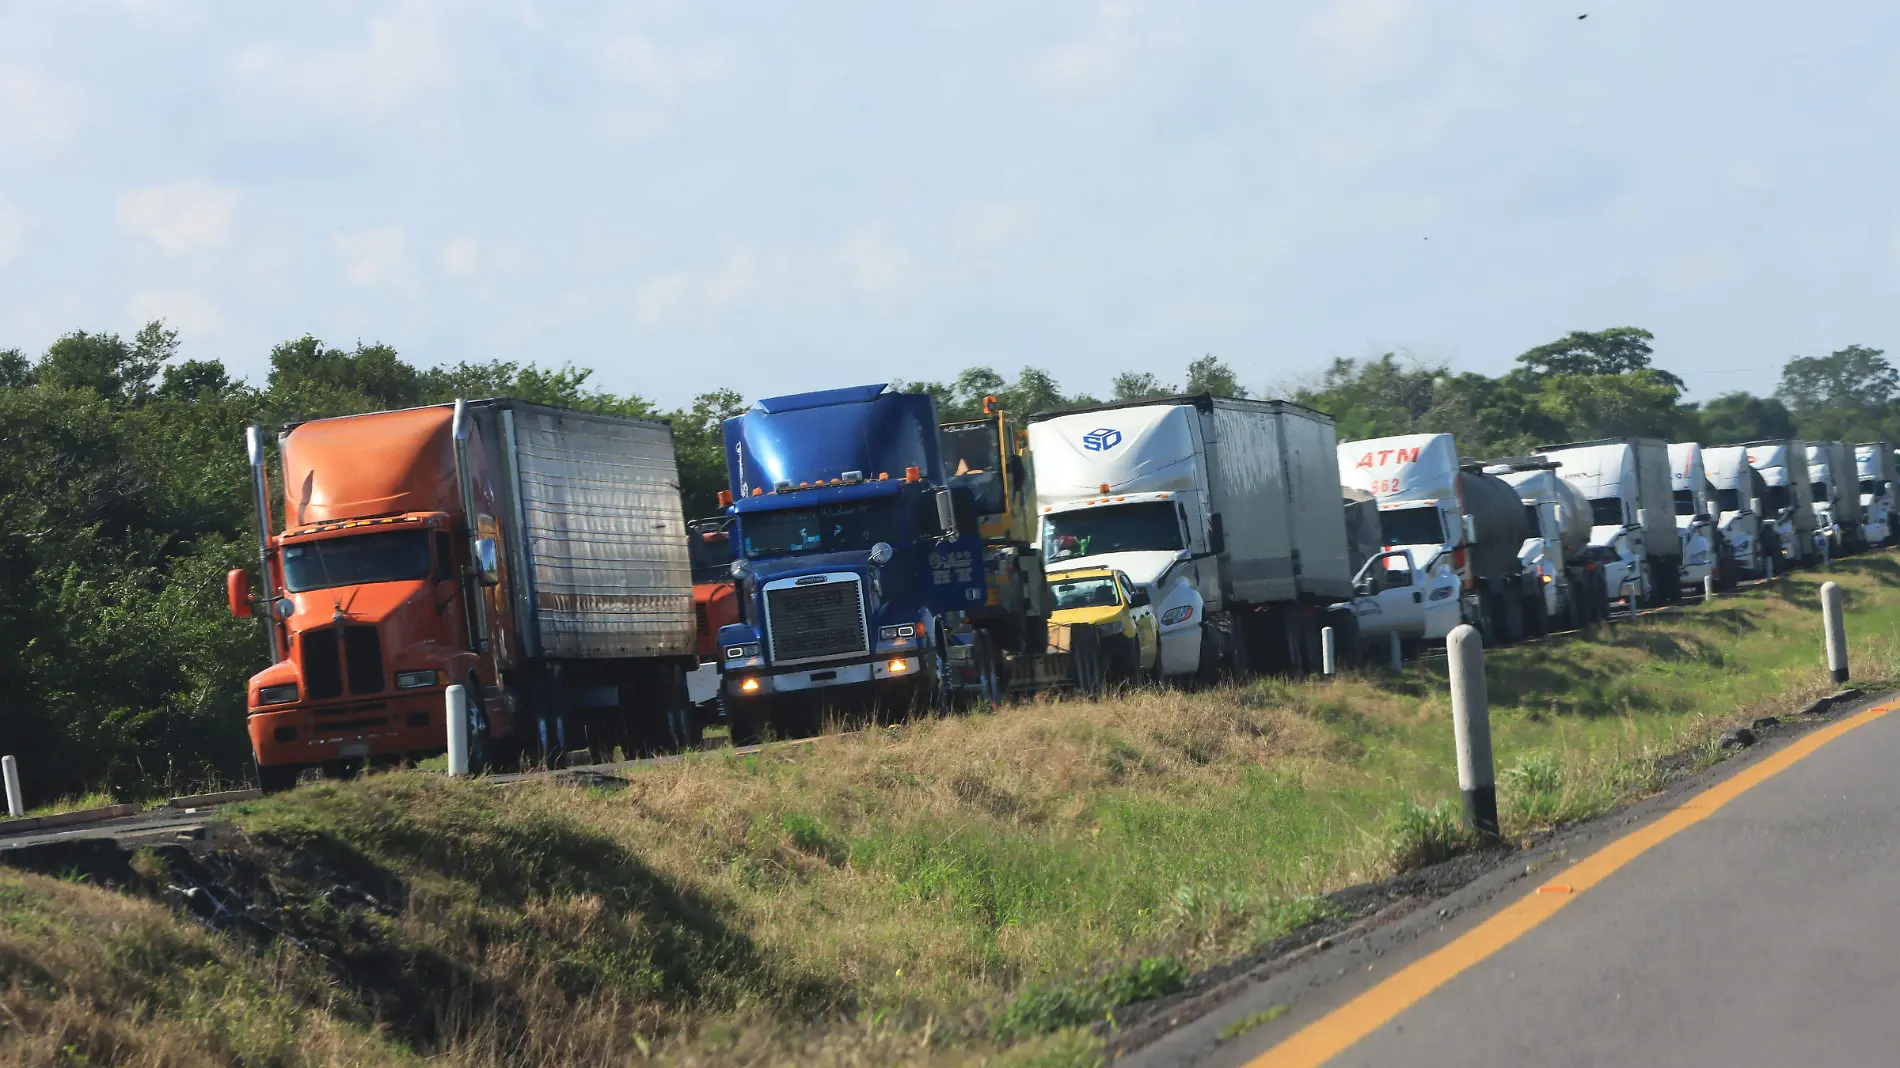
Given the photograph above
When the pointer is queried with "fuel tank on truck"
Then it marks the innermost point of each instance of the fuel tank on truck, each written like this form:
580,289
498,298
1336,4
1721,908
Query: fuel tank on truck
1535,478
815,438
1498,513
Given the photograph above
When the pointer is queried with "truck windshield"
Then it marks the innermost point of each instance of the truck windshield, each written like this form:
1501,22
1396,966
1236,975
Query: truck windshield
1533,523
1412,526
1819,492
826,528
1871,487
1776,498
972,454
1085,593
1145,526
357,560
1728,500
1685,502
1606,512
709,550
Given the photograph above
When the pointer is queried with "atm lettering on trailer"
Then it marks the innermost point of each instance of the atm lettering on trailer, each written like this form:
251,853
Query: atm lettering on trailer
1381,457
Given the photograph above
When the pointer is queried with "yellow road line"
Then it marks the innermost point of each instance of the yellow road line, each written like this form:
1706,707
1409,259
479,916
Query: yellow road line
1327,1037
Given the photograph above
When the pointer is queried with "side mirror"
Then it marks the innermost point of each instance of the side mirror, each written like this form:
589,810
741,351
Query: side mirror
237,593
1140,599
487,562
946,513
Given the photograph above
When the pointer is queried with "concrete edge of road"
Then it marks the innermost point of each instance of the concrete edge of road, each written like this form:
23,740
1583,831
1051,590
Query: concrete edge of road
1328,967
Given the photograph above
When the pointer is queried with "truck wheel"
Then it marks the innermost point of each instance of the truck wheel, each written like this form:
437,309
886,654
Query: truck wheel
1086,667
1536,621
745,720
276,778
477,727
989,667
941,692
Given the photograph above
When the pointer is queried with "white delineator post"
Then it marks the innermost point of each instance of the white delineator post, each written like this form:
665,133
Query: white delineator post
457,700
1394,651
1834,629
15,807
1471,729
1328,652
1708,587
1768,559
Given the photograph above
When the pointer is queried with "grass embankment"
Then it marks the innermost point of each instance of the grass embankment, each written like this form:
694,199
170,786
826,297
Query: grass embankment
974,888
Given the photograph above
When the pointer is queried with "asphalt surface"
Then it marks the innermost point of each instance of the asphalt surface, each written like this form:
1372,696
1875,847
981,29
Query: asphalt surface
1767,933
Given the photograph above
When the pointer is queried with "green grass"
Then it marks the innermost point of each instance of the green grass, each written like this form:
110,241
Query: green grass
990,888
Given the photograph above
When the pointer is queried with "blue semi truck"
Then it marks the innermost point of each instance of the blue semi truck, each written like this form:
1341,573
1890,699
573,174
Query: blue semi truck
855,559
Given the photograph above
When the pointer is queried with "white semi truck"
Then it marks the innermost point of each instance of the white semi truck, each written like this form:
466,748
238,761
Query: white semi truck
1441,515
1632,512
1834,486
1394,594
1227,512
1740,503
1702,546
1558,551
1789,504
1875,462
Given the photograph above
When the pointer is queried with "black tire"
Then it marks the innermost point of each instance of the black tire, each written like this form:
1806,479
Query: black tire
276,778
745,719
940,690
1087,667
1536,620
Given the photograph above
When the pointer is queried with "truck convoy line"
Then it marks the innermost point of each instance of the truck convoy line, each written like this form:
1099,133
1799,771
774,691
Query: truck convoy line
868,560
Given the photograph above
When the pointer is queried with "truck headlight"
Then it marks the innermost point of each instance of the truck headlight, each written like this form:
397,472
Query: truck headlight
897,633
742,652
1443,592
1177,615
277,695
414,680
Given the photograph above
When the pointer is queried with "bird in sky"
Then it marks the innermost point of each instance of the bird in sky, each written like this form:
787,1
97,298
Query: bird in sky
1583,16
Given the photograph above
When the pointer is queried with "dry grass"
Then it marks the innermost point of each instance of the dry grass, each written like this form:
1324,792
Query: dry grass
953,891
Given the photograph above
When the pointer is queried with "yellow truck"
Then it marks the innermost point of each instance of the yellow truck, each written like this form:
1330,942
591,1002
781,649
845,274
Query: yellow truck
1117,610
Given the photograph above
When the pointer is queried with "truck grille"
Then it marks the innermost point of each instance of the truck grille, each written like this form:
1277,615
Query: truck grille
363,651
322,664
808,622
699,616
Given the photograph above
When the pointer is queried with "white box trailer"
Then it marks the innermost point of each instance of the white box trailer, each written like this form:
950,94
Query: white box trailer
1227,511
1633,510
1789,514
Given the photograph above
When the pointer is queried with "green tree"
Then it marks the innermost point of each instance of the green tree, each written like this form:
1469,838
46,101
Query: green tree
106,365
1740,416
699,441
1139,385
1848,394
1618,350
1643,403
331,381
1209,375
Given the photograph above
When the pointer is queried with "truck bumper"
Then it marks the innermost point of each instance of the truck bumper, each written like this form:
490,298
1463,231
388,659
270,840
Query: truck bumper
413,723
821,676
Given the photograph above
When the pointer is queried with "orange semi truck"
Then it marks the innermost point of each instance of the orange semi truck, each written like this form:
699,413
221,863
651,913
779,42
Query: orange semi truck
535,555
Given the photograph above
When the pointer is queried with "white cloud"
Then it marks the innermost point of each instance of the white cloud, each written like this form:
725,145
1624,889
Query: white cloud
181,216
37,114
1356,42
187,312
459,257
12,233
662,82
877,265
1094,61
376,258
675,293
401,57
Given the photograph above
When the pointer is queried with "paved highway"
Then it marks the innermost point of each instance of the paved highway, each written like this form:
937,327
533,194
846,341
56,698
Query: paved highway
1753,921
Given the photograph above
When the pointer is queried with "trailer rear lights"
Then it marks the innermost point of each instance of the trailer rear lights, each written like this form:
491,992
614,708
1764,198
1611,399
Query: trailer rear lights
417,719
285,734
749,686
277,695
414,680
897,667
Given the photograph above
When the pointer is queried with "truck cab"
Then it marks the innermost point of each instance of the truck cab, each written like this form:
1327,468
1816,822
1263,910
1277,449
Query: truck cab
1626,525
1426,538
1788,509
855,560
1875,464
715,604
989,458
1739,494
1824,499
1693,497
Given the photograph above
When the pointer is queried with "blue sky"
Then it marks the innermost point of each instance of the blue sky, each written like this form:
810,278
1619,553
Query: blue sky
776,196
